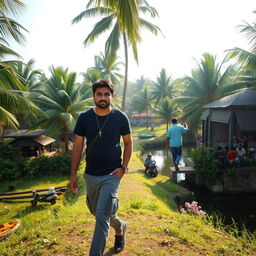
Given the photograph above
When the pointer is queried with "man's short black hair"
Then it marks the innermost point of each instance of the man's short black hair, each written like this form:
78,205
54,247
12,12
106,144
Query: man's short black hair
102,84
174,121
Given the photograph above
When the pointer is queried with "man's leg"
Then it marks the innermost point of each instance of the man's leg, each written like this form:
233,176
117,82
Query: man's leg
178,154
174,157
103,203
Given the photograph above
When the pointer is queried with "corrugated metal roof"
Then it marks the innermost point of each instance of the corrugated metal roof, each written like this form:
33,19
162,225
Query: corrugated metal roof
205,115
246,97
44,140
25,133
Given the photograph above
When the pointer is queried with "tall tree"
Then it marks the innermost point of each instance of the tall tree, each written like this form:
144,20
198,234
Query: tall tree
209,81
247,57
123,20
32,77
163,87
165,110
108,67
61,101
142,102
13,100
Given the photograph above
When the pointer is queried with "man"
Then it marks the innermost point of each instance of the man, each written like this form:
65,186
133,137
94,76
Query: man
102,126
174,141
147,162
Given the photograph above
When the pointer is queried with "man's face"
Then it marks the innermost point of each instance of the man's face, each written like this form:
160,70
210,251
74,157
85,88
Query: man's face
102,97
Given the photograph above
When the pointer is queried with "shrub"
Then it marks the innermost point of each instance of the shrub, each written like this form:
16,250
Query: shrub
8,151
11,164
60,164
10,170
205,166
37,166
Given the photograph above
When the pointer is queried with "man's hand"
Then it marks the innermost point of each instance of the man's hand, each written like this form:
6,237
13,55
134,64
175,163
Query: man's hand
73,184
120,172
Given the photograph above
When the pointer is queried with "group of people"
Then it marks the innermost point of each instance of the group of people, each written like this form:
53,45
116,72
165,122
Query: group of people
229,158
101,128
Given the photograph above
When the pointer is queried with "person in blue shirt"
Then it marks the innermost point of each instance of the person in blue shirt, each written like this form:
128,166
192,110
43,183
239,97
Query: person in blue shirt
174,141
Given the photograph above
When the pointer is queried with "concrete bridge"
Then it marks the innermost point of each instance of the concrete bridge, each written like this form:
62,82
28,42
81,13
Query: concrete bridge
241,180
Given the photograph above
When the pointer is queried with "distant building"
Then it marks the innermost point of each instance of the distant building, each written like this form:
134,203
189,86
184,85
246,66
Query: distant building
230,117
142,119
31,142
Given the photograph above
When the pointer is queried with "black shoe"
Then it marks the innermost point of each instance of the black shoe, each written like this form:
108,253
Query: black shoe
120,240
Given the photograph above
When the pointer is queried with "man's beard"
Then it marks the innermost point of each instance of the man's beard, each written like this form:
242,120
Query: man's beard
102,106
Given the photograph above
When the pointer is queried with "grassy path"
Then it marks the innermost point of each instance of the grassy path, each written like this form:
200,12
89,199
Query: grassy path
155,227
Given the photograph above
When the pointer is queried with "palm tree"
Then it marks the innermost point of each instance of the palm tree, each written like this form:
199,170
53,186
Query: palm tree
125,27
165,110
108,67
127,14
8,26
139,84
209,81
61,101
13,98
142,102
31,77
247,57
163,87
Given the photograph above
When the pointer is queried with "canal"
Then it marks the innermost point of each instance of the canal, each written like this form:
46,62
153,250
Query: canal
238,207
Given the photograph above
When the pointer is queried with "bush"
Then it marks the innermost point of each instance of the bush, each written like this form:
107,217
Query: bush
60,164
37,166
41,165
11,164
10,170
205,166
8,151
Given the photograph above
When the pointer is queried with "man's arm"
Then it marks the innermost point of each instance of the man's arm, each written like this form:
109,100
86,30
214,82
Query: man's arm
127,139
127,149
185,125
76,157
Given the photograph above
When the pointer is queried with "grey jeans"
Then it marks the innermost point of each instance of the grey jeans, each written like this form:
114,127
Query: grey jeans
102,201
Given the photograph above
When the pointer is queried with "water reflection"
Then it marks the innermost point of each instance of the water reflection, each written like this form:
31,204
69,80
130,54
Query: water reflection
226,204
163,159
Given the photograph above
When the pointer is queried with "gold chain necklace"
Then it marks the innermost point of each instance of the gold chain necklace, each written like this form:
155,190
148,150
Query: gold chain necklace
101,128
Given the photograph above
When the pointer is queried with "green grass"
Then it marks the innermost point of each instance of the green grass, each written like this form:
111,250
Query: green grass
155,227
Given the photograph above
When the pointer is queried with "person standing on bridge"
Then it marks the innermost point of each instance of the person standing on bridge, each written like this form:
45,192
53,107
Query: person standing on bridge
174,141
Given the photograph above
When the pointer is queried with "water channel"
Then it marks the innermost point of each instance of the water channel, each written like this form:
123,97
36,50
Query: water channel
239,207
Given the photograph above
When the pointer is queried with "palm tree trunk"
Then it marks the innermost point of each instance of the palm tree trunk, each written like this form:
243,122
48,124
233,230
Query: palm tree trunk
147,116
126,71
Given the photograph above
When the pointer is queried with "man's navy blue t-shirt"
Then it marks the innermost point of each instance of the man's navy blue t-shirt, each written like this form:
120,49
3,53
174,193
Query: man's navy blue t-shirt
103,154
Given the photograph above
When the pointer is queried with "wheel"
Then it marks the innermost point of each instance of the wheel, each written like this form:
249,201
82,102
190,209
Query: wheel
53,201
33,202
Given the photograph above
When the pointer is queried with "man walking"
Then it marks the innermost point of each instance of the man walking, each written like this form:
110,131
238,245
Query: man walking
102,126
174,141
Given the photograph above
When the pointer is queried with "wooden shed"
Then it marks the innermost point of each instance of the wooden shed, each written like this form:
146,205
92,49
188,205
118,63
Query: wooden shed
31,142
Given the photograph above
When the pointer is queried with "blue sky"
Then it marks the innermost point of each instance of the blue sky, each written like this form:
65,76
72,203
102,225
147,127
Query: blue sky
190,28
